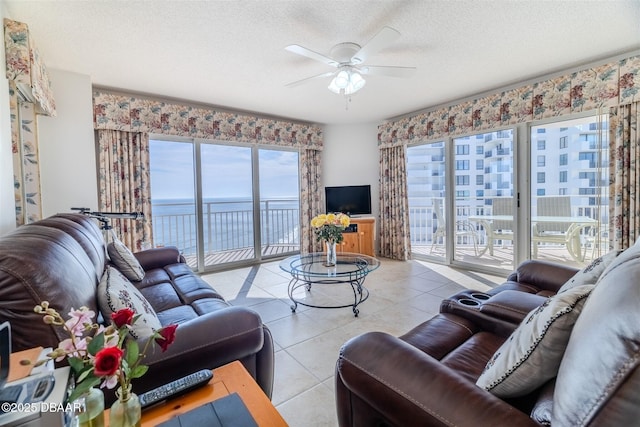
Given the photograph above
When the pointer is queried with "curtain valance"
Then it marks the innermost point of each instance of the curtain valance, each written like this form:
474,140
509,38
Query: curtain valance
608,85
128,113
25,67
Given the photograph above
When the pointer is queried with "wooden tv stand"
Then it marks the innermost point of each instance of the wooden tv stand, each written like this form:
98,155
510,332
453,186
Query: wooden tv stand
362,241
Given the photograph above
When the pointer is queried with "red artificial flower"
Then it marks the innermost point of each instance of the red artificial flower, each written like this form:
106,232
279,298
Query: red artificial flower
123,317
167,336
107,361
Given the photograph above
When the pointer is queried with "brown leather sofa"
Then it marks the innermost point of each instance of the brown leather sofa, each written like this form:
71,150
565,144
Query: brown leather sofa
61,260
427,377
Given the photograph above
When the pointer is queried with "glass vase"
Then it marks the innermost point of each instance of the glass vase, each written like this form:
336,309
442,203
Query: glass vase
331,254
89,409
126,411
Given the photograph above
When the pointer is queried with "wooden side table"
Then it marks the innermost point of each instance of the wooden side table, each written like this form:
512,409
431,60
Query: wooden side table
227,379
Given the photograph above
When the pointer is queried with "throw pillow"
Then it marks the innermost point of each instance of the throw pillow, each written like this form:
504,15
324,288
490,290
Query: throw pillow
543,407
628,254
115,292
590,274
532,354
124,259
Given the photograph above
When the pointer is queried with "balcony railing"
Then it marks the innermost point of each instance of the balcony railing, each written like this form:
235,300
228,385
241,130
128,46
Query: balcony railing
423,225
226,225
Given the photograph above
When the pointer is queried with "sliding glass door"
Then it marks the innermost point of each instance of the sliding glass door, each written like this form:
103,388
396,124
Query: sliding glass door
483,203
474,223
426,191
222,204
173,197
227,203
570,190
483,218
279,202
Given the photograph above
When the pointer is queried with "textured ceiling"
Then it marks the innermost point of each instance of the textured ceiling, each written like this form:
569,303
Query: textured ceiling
231,53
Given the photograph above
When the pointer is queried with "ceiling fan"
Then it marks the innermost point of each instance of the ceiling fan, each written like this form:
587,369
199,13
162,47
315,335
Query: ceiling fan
348,58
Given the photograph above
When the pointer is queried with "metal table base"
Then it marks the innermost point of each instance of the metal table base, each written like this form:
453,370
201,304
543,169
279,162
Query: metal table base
310,270
360,293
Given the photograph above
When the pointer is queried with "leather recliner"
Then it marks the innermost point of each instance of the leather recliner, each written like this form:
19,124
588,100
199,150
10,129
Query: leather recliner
427,377
61,259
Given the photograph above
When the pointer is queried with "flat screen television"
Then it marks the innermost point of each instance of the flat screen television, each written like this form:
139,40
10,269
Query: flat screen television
350,200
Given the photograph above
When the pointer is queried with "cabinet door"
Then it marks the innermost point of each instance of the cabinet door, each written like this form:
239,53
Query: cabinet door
365,229
351,242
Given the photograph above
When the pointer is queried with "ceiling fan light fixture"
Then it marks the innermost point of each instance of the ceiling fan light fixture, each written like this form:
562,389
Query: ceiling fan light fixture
347,82
343,79
333,87
348,58
356,81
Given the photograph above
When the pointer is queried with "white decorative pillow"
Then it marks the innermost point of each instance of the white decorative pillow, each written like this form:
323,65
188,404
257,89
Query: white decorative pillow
115,292
590,274
626,255
124,259
532,354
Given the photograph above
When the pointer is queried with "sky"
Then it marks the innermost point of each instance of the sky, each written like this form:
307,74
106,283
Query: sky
226,171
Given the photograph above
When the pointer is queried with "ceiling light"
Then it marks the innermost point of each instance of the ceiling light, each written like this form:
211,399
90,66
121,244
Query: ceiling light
346,82
356,82
342,79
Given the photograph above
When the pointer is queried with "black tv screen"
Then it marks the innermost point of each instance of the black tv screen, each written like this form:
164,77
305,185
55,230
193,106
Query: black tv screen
350,200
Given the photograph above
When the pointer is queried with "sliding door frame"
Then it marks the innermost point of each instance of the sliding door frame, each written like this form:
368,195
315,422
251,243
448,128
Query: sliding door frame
197,144
522,167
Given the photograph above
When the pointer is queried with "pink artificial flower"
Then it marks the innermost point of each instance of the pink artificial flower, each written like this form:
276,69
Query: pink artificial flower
109,382
69,348
79,320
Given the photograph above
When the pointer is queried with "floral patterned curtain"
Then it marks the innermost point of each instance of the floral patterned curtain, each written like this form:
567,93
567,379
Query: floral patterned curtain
311,201
30,94
26,160
608,85
624,185
124,184
394,213
127,113
135,114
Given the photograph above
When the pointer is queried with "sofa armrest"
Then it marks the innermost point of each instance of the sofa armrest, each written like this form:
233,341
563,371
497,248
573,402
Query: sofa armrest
408,387
543,275
511,306
158,257
206,342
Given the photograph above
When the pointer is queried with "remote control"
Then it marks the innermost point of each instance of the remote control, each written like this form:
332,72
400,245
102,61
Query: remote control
175,388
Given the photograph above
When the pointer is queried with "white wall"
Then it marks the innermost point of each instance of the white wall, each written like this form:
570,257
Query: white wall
7,199
350,157
67,149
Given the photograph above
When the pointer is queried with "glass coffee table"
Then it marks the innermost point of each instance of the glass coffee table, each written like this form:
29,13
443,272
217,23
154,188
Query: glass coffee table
309,270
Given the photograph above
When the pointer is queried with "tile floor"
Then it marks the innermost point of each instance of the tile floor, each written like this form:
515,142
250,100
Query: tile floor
307,342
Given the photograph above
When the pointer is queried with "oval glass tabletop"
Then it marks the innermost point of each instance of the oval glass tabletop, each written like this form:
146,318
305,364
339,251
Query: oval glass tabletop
314,264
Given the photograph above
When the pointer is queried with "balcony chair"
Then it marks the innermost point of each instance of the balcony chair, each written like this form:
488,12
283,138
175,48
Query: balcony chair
596,239
552,232
463,228
500,229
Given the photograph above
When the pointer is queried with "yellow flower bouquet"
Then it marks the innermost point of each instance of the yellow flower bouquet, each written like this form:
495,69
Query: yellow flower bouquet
329,227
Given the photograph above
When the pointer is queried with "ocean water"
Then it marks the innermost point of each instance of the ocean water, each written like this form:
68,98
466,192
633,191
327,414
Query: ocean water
227,223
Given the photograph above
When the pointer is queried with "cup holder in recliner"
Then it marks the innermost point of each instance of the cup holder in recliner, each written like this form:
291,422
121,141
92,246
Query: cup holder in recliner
480,296
468,302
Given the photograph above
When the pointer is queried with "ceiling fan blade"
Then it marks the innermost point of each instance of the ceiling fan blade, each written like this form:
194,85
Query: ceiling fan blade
384,37
389,71
299,50
299,82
